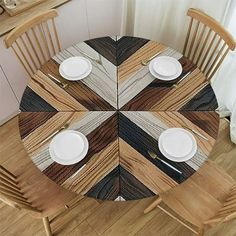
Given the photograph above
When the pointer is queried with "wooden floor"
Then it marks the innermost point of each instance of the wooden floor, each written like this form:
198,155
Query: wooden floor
107,218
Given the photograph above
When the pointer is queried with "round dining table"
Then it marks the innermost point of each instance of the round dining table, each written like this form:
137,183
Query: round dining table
122,110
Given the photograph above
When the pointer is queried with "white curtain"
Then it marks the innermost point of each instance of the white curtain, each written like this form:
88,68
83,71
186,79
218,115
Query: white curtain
166,21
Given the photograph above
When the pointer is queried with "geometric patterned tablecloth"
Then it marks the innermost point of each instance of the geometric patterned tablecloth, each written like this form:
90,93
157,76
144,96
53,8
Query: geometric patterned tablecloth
122,109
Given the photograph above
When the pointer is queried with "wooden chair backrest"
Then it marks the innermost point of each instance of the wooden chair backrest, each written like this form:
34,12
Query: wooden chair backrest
35,41
227,211
11,193
207,42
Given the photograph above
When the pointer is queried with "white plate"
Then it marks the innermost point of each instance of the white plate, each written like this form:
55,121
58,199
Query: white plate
177,144
168,67
75,68
68,147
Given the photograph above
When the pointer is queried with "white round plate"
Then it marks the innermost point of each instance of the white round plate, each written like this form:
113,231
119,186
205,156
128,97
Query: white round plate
165,68
75,68
68,147
177,144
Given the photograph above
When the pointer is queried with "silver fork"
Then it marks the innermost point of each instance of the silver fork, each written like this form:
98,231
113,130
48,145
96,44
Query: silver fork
154,156
54,133
146,61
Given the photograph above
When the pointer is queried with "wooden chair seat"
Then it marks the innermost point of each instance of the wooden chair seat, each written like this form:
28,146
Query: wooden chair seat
44,194
189,198
202,198
213,180
28,189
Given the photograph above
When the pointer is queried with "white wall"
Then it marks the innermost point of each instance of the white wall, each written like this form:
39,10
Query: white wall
78,20
8,101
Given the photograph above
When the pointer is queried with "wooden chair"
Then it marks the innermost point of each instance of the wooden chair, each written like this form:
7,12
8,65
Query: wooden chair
35,41
207,42
41,201
208,198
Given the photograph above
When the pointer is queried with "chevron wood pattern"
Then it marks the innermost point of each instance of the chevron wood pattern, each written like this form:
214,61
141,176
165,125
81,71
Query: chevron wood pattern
122,109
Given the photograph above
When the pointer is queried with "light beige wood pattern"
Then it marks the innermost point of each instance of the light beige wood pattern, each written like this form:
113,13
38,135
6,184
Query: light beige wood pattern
133,63
10,22
33,42
191,85
33,142
108,215
55,95
16,192
201,204
22,5
96,169
156,180
207,42
175,119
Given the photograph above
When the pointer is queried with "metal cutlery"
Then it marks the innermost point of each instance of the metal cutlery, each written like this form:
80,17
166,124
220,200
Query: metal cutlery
99,61
64,85
54,133
82,167
196,132
146,61
154,156
176,85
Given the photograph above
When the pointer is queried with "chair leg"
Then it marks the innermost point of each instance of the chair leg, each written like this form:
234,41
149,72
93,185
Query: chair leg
153,205
47,226
201,231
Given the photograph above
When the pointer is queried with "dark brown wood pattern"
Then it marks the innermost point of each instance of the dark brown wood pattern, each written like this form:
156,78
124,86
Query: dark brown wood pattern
30,121
98,140
122,118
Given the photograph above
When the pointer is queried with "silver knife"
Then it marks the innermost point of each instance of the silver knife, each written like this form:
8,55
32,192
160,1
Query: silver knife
175,85
196,132
64,85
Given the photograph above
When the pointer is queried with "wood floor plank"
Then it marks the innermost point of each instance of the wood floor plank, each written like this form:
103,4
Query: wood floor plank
76,216
6,218
11,149
134,220
25,225
163,225
109,216
83,229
